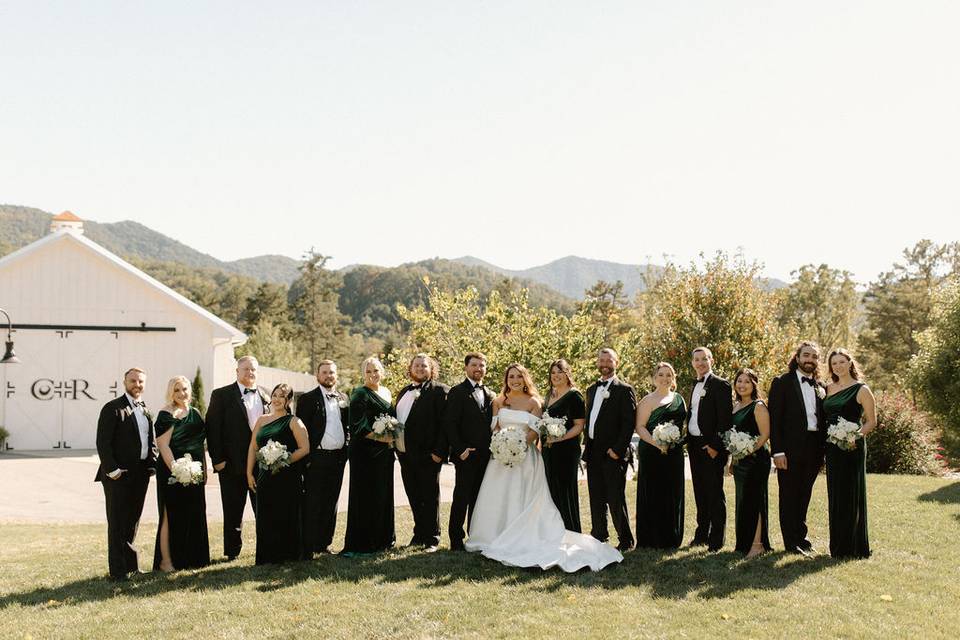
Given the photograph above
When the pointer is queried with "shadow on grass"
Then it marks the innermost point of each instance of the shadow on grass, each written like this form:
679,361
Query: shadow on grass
667,574
949,494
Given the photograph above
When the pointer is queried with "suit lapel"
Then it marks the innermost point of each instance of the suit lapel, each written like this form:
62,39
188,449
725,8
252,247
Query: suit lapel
799,390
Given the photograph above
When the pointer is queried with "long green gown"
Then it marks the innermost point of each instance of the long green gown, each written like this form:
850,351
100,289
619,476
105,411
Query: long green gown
370,526
279,498
561,460
185,506
847,481
660,484
750,476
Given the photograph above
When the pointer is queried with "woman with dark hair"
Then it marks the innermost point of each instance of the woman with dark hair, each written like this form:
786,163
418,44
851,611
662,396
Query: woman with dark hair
561,456
848,398
660,484
370,526
751,473
279,491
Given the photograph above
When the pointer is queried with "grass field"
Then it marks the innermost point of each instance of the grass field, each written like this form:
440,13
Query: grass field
52,584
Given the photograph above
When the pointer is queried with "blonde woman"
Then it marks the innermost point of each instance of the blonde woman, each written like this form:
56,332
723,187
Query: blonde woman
182,536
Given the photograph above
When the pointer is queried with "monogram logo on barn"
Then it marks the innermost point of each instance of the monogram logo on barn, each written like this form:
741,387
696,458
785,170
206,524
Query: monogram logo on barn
73,389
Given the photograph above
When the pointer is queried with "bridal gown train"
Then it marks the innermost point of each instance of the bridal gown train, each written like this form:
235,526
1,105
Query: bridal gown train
517,523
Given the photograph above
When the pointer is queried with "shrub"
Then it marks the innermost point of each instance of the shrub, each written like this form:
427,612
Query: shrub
906,439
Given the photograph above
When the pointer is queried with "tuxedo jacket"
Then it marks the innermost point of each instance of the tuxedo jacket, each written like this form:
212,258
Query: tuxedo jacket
715,411
118,438
312,411
788,414
615,423
423,432
228,432
465,423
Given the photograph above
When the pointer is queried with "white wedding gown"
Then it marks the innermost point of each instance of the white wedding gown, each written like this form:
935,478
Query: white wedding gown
516,522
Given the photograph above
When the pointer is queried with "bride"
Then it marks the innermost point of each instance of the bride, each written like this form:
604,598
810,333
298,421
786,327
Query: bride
515,520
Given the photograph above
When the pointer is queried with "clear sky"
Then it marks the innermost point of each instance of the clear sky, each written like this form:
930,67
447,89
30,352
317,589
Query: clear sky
519,132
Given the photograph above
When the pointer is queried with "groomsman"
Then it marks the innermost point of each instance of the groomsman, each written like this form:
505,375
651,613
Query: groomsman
710,413
467,419
234,409
797,438
127,453
324,412
420,406
611,417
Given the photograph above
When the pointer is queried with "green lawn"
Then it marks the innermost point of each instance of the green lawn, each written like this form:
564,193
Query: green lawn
52,585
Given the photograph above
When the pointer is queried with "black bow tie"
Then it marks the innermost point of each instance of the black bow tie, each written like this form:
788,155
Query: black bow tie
246,391
699,380
809,381
478,387
602,383
332,396
139,403
415,387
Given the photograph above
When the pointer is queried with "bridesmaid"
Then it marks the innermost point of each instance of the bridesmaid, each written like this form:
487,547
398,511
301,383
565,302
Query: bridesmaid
182,540
278,494
561,456
660,483
370,503
751,473
848,398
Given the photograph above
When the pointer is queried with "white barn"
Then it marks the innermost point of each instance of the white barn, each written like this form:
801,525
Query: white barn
82,316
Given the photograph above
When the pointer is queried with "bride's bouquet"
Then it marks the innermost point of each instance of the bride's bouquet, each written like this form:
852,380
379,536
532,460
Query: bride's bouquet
509,446
739,444
186,471
387,425
844,434
666,434
273,456
550,427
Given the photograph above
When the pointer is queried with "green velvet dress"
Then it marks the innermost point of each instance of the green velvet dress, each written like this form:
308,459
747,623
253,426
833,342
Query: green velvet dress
370,526
660,483
847,481
279,499
750,476
185,506
561,461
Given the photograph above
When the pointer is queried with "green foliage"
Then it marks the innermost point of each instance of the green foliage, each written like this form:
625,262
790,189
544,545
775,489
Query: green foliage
905,440
198,400
607,307
271,349
822,305
321,328
719,305
268,302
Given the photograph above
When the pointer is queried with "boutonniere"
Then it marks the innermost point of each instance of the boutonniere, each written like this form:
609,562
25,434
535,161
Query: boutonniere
605,394
416,394
146,412
703,392
820,392
342,403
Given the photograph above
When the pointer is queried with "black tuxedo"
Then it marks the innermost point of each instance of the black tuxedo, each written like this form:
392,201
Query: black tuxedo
804,451
228,439
606,477
324,472
714,417
467,425
119,446
423,437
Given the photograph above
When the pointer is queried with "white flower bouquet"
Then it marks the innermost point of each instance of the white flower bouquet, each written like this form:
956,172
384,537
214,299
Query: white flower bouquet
844,434
739,444
273,456
550,427
386,425
666,434
186,471
509,446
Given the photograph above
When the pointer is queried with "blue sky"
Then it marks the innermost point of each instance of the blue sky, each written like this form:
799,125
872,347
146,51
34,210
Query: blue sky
518,132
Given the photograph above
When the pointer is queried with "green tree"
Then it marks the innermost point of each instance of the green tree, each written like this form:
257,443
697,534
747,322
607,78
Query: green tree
197,399
898,307
271,349
607,306
822,305
269,301
321,328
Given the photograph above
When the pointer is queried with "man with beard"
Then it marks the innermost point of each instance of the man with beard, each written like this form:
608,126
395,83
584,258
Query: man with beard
420,408
323,412
797,438
611,411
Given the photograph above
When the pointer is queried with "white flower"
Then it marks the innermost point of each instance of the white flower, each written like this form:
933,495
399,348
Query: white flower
844,434
666,434
273,456
416,394
387,425
605,394
186,471
739,444
549,426
509,446
342,403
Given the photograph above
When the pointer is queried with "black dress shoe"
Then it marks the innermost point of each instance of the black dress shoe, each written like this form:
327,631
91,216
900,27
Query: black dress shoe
697,543
623,548
457,546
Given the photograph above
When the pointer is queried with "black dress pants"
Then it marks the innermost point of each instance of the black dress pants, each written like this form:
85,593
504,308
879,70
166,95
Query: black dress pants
707,476
421,482
124,501
324,478
466,488
607,484
233,494
796,487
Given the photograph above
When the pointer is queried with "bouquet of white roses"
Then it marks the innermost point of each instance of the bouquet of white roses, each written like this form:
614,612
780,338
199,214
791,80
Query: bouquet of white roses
186,471
739,444
666,434
509,446
386,425
550,427
844,434
273,456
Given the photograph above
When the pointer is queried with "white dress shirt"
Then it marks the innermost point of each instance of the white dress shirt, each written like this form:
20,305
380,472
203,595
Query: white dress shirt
253,404
809,401
405,404
693,427
597,401
478,394
333,435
